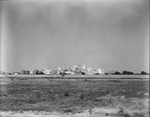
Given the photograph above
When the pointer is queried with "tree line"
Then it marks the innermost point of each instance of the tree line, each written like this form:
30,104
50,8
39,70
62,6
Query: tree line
127,73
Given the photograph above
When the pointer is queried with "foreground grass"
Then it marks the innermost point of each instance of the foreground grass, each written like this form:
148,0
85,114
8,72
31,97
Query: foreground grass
76,97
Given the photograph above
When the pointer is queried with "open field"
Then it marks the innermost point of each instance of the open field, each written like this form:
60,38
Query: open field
77,76
74,97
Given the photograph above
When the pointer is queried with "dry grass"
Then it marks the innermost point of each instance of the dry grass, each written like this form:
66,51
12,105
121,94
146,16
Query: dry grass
74,98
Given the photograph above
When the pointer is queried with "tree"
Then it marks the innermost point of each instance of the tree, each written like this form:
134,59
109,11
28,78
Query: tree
143,73
117,72
127,72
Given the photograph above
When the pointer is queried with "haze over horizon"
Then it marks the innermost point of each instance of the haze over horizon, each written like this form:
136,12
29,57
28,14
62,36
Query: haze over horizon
113,35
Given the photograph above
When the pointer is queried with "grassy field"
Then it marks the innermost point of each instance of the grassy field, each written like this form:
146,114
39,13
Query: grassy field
73,97
102,76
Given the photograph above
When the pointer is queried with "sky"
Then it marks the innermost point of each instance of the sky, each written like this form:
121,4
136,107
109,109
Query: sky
109,34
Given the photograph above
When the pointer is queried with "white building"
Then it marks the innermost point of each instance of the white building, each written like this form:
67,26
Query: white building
69,72
59,70
83,67
100,71
74,68
89,71
46,71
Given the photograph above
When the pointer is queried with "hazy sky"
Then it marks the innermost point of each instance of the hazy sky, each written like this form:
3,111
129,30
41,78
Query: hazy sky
110,34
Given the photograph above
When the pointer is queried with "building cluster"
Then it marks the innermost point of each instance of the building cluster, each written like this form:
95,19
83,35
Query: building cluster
59,71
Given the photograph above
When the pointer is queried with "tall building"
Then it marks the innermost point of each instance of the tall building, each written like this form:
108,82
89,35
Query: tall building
83,67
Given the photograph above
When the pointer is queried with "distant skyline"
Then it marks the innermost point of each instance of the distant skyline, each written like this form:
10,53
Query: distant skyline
110,34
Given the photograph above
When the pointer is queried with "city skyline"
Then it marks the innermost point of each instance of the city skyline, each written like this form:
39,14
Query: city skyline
113,35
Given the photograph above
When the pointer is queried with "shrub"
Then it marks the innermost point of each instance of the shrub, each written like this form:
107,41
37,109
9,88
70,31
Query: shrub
67,111
122,113
66,93
82,96
85,80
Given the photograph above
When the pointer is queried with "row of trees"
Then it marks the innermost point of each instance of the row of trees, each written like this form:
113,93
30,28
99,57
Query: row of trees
127,73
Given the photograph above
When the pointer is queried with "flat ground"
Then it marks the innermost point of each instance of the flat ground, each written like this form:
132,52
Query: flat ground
74,98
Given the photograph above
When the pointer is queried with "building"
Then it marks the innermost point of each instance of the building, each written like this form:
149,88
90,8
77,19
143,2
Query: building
69,72
89,71
54,72
37,72
59,70
46,71
25,72
100,71
83,67
16,73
